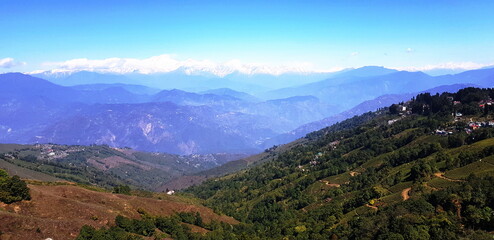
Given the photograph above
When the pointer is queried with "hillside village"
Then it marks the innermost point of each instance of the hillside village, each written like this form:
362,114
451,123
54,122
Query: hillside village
52,151
460,122
397,165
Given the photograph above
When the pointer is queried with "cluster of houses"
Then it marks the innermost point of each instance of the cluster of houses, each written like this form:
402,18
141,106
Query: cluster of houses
471,126
7,155
51,151
485,103
315,161
476,125
482,104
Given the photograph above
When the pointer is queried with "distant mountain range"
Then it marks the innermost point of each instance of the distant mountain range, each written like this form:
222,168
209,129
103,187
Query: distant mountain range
136,89
181,79
232,93
163,127
366,106
347,91
116,110
35,110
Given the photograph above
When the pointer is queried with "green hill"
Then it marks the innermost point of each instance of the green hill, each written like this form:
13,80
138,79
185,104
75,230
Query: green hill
102,165
415,170
422,169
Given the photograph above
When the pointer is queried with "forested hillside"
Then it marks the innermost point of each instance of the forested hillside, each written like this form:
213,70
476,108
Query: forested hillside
423,169
103,165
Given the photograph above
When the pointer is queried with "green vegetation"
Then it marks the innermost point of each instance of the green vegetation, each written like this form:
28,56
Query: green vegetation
101,165
12,189
391,174
176,227
439,215
122,189
113,233
65,162
26,173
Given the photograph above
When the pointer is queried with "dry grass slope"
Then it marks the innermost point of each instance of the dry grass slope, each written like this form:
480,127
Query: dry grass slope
59,212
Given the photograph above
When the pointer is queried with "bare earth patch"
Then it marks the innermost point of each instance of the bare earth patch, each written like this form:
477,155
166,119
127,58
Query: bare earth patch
405,194
59,212
330,184
441,175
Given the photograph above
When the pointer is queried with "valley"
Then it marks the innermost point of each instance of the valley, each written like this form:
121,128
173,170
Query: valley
246,120
413,162
175,121
104,166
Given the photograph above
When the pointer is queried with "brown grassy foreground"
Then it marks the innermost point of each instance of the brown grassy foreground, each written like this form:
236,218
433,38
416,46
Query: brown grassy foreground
58,212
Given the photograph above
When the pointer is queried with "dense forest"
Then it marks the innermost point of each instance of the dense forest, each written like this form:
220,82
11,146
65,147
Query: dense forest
422,169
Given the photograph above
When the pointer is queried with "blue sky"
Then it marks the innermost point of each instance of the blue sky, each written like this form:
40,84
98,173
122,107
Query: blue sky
321,34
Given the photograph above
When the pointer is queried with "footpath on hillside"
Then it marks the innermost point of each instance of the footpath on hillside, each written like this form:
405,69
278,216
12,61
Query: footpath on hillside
441,175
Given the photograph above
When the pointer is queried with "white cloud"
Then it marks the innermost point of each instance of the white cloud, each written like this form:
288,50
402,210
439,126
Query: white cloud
9,63
409,50
449,65
167,63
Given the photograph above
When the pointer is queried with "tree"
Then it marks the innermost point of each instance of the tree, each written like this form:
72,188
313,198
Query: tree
87,232
456,140
479,217
422,170
12,189
394,109
122,189
199,221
